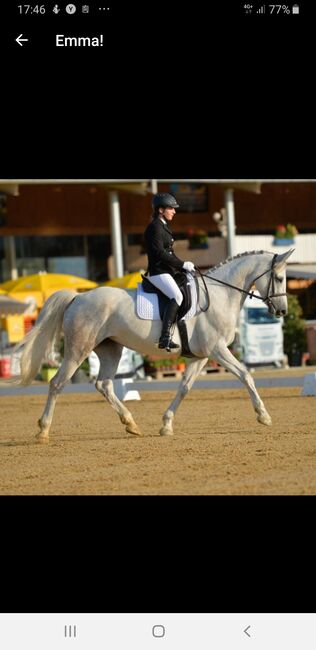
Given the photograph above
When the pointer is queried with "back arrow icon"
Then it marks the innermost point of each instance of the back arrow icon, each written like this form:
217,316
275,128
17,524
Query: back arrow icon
19,39
247,628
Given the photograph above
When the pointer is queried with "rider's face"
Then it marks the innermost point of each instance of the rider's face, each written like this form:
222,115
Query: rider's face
168,213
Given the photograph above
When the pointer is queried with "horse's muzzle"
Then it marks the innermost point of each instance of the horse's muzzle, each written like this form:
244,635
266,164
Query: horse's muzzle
280,312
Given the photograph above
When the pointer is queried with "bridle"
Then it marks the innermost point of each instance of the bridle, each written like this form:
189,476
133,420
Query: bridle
271,286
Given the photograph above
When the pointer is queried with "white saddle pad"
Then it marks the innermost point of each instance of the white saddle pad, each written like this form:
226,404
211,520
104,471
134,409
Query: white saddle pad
148,306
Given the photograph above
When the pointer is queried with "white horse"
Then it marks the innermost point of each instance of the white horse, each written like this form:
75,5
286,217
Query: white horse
105,320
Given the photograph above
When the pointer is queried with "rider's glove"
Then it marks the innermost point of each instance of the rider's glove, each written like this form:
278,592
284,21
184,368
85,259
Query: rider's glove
188,266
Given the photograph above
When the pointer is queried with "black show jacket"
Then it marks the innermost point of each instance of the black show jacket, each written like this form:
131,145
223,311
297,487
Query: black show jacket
159,241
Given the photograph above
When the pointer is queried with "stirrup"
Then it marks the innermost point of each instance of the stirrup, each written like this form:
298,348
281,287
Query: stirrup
165,344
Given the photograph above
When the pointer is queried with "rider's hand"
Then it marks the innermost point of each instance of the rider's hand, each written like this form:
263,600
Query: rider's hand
188,266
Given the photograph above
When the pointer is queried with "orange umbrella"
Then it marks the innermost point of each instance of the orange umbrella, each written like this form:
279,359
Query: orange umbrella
41,285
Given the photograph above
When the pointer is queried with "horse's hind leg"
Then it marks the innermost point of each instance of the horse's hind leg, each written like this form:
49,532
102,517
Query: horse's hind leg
227,359
56,385
109,354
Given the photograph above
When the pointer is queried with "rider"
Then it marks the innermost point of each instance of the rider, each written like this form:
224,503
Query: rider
163,264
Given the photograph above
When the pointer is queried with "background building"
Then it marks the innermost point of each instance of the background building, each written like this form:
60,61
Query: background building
94,228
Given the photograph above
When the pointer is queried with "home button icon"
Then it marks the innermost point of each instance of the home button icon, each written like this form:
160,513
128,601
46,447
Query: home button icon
158,631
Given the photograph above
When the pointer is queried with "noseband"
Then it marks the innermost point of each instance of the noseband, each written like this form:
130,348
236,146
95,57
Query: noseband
271,284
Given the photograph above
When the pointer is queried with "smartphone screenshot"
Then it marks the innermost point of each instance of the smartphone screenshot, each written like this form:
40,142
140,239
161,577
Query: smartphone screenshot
117,119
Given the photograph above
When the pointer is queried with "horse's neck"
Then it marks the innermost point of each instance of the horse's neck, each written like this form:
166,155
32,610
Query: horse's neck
242,271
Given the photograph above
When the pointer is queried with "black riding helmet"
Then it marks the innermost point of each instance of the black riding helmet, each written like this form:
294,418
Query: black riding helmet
164,200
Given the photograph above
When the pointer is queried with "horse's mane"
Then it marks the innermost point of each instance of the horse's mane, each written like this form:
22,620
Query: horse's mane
230,259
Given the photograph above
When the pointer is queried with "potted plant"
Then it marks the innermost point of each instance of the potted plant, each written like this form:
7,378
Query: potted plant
181,365
284,235
295,341
197,239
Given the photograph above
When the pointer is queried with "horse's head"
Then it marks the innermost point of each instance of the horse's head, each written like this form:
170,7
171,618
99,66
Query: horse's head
272,285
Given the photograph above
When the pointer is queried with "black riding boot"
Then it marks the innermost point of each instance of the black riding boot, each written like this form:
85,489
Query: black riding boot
169,318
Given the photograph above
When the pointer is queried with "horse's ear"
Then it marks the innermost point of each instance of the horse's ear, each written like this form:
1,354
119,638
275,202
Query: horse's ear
281,260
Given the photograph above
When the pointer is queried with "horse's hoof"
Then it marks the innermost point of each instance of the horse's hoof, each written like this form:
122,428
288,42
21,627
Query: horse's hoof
42,440
134,431
166,432
265,419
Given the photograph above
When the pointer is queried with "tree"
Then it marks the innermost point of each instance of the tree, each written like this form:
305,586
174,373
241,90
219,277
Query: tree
295,342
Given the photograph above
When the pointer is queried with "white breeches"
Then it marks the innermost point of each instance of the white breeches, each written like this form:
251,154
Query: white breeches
165,283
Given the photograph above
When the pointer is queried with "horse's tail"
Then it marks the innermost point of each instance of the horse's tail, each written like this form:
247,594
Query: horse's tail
40,340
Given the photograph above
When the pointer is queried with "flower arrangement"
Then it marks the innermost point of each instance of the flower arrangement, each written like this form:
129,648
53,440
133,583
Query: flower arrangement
285,234
197,238
154,364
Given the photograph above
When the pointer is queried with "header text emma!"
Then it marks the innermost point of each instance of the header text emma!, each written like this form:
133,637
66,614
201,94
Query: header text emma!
79,41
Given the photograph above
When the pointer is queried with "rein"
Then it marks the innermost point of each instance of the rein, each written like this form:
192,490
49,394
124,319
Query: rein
202,275
248,293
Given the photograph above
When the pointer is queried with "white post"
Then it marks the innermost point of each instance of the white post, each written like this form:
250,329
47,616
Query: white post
116,234
86,253
11,257
154,186
230,211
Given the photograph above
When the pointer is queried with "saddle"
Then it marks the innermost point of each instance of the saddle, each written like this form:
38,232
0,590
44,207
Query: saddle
185,288
146,307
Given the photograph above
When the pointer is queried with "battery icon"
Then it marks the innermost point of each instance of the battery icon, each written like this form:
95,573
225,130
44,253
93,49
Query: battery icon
295,9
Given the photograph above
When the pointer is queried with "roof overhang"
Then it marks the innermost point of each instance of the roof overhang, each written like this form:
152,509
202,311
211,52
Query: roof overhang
304,271
145,185
142,187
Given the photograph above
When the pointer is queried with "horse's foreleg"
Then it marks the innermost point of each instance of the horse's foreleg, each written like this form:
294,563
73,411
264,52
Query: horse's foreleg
227,359
189,377
56,385
109,354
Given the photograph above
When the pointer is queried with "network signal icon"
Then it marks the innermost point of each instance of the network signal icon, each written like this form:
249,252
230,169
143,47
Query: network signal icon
261,10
